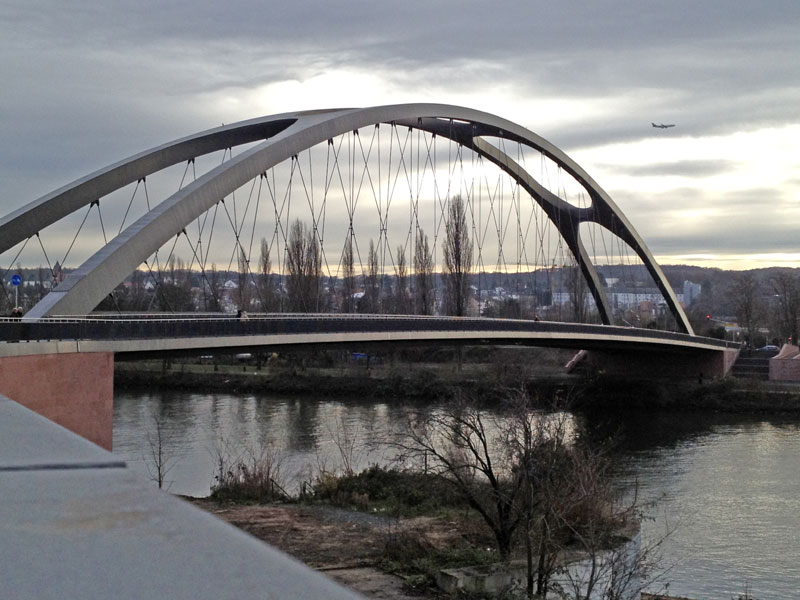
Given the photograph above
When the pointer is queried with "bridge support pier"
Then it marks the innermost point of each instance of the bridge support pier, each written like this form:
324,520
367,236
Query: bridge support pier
697,366
75,390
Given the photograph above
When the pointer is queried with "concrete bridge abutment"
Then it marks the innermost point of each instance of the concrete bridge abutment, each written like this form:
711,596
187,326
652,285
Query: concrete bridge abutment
75,390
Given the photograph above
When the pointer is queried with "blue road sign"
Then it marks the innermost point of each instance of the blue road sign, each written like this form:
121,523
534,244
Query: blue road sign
16,280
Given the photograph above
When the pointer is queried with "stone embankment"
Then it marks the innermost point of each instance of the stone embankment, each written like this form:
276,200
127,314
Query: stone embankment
411,382
402,381
725,395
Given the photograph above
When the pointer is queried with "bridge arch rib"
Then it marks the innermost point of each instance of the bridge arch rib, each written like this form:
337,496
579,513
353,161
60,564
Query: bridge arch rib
287,135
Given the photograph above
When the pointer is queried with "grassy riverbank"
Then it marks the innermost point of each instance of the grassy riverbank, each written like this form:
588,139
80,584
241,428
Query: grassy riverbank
425,374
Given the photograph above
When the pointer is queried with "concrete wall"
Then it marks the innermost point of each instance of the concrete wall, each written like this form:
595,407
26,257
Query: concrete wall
74,390
785,366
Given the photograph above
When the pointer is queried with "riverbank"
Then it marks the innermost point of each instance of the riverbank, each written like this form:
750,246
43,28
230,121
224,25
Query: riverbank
541,373
347,546
728,395
479,372
383,532
397,534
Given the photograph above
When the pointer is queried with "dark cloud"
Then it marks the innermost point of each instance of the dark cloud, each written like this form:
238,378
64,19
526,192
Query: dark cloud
766,198
682,168
686,221
86,84
697,210
735,238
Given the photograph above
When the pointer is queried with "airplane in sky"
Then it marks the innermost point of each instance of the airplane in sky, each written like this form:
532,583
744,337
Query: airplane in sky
662,126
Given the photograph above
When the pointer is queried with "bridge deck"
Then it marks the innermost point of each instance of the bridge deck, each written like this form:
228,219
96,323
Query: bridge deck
141,334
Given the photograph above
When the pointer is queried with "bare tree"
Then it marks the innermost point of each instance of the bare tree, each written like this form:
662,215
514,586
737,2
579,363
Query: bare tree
371,300
536,444
457,445
244,292
400,303
747,302
572,507
590,520
266,289
457,259
578,291
347,438
174,290
45,279
786,286
159,461
423,275
526,472
212,290
303,268
348,276
137,296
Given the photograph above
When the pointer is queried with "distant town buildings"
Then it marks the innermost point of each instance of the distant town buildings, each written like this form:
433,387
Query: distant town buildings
547,294
691,292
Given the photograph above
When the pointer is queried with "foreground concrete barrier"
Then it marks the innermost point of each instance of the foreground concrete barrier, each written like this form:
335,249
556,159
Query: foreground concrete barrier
75,522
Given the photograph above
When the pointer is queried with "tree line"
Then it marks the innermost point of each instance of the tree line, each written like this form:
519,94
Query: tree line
765,303
301,285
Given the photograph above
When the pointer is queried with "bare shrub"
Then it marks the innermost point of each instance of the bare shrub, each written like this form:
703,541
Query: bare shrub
457,445
158,459
350,449
532,480
253,476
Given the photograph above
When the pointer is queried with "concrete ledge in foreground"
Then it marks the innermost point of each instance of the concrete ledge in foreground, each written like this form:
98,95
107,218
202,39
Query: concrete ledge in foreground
76,523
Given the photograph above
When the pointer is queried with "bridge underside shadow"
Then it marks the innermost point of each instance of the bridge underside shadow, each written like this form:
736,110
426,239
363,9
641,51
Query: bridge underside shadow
629,364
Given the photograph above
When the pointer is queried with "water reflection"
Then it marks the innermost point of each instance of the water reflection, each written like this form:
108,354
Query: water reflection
303,424
728,484
310,434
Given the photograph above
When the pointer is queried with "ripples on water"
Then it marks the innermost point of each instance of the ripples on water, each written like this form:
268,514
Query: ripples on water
728,486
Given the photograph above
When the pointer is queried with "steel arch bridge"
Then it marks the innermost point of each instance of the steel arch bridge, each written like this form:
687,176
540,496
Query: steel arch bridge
572,212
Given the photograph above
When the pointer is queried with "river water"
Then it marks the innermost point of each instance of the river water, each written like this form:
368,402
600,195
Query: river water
725,487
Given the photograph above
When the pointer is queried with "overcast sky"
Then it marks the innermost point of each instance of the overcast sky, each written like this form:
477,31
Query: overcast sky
85,84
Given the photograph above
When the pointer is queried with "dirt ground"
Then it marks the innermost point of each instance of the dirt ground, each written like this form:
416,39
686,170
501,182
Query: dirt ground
345,545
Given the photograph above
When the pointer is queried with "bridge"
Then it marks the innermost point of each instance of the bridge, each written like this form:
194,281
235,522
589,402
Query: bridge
408,223
130,336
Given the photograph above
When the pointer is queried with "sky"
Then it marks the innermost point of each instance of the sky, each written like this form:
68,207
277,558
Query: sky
85,84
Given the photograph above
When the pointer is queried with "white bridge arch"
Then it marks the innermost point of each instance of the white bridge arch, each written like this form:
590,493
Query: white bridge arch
282,137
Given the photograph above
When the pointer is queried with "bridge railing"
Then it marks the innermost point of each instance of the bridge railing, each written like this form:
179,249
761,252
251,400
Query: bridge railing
153,326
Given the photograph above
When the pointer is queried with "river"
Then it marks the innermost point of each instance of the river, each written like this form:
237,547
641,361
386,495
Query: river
725,487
